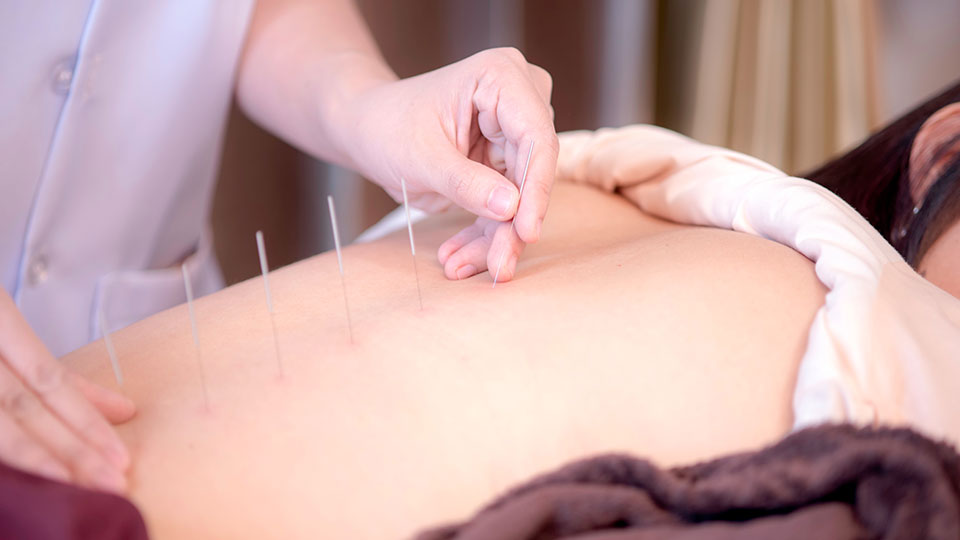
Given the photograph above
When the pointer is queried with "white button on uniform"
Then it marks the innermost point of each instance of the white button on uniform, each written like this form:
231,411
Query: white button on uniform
37,271
63,76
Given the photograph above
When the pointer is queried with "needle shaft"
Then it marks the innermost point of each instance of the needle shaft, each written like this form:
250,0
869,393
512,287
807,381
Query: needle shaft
343,280
110,350
196,335
413,249
265,270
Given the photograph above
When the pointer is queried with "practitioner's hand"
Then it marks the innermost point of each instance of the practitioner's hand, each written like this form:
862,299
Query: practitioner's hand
52,422
461,134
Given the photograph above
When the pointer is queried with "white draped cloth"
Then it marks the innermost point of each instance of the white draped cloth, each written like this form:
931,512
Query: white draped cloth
884,347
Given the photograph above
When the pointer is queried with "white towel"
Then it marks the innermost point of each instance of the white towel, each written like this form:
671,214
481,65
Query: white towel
884,347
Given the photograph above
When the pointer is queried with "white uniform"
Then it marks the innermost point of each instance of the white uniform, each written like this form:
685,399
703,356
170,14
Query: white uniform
111,122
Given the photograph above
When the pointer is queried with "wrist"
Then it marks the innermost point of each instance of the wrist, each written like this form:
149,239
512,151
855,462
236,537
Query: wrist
339,86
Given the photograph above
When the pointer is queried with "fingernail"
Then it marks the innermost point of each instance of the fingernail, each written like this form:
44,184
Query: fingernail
501,201
466,271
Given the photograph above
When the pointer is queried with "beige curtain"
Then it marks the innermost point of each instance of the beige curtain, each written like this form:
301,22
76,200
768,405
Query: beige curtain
789,81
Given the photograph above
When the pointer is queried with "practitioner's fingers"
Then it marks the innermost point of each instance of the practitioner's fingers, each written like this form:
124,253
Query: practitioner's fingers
485,245
21,451
457,241
504,253
468,260
24,355
88,467
544,84
473,245
536,190
116,407
512,113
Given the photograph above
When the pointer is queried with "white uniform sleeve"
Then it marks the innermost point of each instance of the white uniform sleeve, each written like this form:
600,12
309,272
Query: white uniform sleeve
884,347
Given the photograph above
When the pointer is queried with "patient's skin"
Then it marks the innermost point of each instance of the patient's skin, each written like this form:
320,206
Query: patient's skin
620,333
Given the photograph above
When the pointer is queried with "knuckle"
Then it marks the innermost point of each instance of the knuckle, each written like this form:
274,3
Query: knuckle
540,126
490,230
542,190
502,56
477,227
510,53
543,78
458,182
46,377
17,402
513,53
552,141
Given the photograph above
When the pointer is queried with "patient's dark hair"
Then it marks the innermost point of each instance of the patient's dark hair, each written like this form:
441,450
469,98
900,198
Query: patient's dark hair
874,178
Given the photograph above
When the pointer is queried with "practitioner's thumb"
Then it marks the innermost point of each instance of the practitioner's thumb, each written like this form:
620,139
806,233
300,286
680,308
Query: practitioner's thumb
478,188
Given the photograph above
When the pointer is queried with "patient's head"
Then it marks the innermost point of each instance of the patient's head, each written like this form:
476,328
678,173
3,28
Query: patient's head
933,186
905,180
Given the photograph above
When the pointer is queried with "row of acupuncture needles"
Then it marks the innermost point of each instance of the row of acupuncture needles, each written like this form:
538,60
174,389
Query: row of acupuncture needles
265,272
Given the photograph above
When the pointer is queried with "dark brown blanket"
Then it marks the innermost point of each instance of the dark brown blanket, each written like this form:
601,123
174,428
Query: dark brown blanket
825,482
34,508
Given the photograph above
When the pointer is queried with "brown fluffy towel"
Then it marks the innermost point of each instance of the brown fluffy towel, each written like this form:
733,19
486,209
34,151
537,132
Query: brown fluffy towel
831,481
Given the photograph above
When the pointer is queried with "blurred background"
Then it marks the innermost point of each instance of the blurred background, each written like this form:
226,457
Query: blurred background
790,81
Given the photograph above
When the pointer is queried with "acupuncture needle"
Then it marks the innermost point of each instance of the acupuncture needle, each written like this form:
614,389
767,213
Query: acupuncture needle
513,222
196,336
343,280
265,270
110,350
413,249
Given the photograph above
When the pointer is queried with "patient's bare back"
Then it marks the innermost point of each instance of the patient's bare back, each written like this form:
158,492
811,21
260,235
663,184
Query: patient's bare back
619,333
